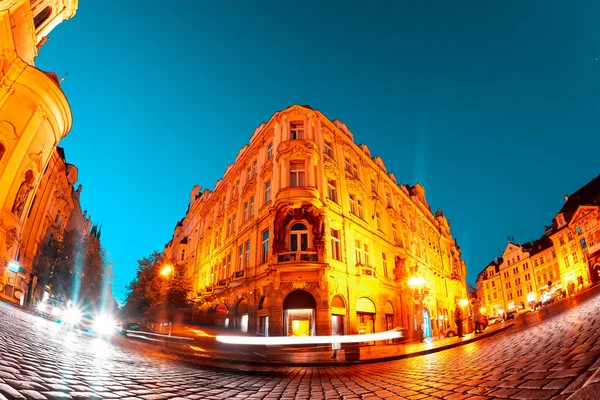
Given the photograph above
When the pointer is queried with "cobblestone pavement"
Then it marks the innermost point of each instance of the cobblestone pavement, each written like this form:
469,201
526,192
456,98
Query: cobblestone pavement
550,354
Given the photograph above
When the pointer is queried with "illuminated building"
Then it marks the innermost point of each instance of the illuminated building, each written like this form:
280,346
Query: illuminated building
567,254
307,233
34,115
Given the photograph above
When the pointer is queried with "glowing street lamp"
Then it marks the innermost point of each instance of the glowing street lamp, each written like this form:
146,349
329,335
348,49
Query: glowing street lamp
167,269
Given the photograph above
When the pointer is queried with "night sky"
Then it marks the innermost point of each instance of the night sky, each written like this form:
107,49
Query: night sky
493,106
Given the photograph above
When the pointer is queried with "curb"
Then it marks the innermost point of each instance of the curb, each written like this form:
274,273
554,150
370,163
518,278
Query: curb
197,360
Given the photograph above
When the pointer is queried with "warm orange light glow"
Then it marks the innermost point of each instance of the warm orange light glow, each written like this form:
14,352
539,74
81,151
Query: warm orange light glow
167,269
463,302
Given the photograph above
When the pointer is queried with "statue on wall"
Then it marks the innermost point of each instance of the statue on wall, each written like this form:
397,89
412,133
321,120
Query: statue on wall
313,216
22,194
282,218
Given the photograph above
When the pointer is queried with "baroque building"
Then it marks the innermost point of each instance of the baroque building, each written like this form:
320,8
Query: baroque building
564,260
34,117
307,234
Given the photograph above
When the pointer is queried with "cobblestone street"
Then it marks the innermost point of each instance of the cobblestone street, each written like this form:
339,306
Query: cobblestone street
549,354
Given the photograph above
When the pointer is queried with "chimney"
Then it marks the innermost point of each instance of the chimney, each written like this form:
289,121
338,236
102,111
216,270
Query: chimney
566,197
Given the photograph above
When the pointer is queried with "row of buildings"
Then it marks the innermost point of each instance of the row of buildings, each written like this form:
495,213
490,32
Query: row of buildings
38,198
564,260
306,233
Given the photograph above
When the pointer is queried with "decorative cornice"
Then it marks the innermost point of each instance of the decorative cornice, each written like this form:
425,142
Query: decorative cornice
305,148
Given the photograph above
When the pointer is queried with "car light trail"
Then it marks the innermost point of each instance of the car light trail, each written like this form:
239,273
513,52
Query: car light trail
285,340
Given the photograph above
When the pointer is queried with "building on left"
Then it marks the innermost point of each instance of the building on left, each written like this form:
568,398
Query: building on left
34,116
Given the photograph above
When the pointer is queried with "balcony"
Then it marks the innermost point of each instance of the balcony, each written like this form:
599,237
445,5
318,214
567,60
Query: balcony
365,270
237,278
222,283
298,256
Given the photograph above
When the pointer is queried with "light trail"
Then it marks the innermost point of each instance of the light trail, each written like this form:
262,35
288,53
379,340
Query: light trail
287,340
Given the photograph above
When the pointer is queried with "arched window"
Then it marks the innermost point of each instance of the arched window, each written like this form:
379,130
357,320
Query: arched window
42,17
298,237
2,150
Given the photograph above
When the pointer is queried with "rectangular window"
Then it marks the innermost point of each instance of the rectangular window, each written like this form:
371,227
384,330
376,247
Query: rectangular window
366,253
182,254
517,281
495,295
296,131
331,190
575,258
561,240
506,274
265,246
373,188
233,223
508,285
251,206
247,258
388,199
335,245
384,264
249,174
358,252
241,258
269,150
355,170
245,211
328,149
493,283
347,165
360,209
567,261
553,254
229,227
510,296
353,204
394,232
569,235
516,270
228,270
296,173
488,296
267,191
378,220
535,262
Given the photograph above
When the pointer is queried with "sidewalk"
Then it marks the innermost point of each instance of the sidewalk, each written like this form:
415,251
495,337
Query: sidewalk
287,356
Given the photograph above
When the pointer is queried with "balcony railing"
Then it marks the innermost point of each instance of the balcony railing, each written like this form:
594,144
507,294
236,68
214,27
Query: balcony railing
364,269
298,256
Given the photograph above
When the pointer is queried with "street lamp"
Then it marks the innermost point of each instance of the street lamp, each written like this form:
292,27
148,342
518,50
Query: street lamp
463,303
167,269
416,283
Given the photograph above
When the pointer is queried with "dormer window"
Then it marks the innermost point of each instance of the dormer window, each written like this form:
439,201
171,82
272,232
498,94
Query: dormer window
296,130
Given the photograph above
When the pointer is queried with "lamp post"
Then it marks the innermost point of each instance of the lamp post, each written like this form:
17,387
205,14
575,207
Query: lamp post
417,284
463,303
165,271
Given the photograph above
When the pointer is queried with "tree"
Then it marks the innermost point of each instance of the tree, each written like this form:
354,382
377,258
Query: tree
151,289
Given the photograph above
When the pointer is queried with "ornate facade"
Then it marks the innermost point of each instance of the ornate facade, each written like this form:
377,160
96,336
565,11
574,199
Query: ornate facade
565,259
34,115
307,233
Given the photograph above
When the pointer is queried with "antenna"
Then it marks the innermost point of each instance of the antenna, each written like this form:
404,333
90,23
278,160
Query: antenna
63,77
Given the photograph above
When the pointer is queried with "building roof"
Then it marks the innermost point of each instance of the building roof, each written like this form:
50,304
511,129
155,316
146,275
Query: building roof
540,245
587,195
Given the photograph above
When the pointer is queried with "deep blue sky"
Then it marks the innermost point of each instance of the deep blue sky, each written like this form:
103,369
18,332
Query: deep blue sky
494,108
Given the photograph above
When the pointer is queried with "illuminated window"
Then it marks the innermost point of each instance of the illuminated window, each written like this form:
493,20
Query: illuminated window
335,245
328,150
265,246
267,191
384,264
298,237
353,204
296,131
331,190
297,173
360,209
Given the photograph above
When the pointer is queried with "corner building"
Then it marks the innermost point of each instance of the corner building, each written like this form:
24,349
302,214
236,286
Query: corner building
34,115
307,234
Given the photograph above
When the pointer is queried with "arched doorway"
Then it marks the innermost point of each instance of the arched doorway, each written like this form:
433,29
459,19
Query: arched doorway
299,314
338,315
241,316
263,316
596,273
426,323
365,311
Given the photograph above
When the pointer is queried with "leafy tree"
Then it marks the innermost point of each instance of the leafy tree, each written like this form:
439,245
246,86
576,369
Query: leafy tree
151,289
